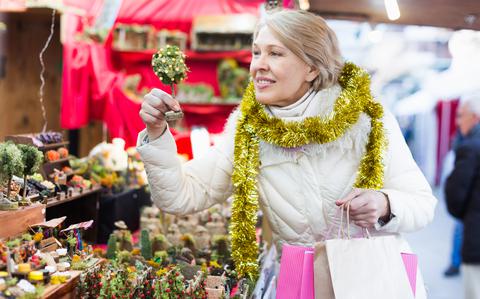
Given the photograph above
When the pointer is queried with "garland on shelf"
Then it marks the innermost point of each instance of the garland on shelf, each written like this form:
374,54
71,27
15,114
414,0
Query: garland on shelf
254,124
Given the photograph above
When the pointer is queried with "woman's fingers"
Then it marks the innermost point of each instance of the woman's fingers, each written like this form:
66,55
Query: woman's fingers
147,118
365,206
165,98
350,196
158,113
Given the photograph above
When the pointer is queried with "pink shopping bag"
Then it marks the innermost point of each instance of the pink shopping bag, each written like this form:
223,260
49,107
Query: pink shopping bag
411,261
295,279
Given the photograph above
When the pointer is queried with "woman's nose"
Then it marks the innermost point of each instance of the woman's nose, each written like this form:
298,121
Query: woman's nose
260,63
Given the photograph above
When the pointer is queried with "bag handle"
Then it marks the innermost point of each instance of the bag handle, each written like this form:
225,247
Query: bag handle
366,233
341,234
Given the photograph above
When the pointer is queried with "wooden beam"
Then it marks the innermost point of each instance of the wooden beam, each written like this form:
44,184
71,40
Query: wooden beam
438,13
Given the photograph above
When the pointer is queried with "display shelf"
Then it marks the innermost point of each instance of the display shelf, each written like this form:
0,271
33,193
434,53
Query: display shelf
64,290
78,208
208,108
125,206
18,221
53,146
59,161
69,288
211,116
243,56
28,139
48,168
54,202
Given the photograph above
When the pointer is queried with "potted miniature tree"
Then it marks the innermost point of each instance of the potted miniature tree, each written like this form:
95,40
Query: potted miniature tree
10,163
112,247
146,245
32,159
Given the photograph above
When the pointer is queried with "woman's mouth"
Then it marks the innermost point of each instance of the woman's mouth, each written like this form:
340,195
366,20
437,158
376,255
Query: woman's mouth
263,82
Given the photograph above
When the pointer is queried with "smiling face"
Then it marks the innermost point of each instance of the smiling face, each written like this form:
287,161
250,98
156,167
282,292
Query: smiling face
279,76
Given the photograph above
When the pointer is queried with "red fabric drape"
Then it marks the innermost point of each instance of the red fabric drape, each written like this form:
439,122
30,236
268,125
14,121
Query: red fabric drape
446,129
213,117
93,74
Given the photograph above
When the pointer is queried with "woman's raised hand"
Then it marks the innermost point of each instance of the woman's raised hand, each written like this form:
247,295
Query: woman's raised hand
154,106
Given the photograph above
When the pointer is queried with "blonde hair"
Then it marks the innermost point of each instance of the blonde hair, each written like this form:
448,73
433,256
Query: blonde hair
309,37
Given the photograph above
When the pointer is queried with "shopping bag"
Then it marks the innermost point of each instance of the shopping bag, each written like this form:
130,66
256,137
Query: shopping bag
410,261
322,280
367,268
296,272
306,287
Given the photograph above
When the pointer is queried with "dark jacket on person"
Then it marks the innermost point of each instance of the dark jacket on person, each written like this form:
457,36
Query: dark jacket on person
462,192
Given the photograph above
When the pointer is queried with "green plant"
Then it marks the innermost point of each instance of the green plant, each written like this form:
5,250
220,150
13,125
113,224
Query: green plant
112,247
27,237
221,249
32,159
146,245
171,285
10,163
160,256
232,79
124,257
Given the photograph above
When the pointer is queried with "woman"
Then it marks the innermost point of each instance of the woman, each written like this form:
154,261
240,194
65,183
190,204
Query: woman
307,138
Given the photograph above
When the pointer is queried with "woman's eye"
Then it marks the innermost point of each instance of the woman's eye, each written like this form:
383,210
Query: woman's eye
275,54
256,53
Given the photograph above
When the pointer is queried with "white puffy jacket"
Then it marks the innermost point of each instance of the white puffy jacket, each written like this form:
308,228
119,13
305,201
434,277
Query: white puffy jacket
297,188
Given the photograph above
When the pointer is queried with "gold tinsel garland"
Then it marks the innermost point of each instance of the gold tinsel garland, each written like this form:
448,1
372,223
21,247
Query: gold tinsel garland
254,124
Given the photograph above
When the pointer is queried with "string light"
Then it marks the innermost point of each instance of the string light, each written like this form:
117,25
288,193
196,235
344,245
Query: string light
42,72
304,4
393,11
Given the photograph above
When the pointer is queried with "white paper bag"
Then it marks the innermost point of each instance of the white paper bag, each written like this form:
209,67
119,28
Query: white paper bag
368,268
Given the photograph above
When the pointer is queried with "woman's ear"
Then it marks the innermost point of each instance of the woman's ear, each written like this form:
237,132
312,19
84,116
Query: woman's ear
312,73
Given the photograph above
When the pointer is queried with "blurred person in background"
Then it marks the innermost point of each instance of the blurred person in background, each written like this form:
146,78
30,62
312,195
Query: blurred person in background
462,190
457,237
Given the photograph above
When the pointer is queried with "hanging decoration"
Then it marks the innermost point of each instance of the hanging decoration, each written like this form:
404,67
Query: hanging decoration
42,72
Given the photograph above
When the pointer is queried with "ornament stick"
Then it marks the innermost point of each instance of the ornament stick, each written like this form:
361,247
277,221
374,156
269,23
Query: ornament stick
172,86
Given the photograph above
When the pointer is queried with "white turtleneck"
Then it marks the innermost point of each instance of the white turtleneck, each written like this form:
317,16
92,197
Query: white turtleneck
300,109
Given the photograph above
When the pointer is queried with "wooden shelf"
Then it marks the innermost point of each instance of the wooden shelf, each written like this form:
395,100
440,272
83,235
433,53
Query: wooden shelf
16,222
53,146
64,290
29,139
56,161
67,289
54,202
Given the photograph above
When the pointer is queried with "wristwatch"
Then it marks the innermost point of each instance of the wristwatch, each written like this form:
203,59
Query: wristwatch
384,220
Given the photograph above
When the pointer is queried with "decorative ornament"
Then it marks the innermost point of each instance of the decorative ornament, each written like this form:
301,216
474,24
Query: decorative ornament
42,72
169,66
254,124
